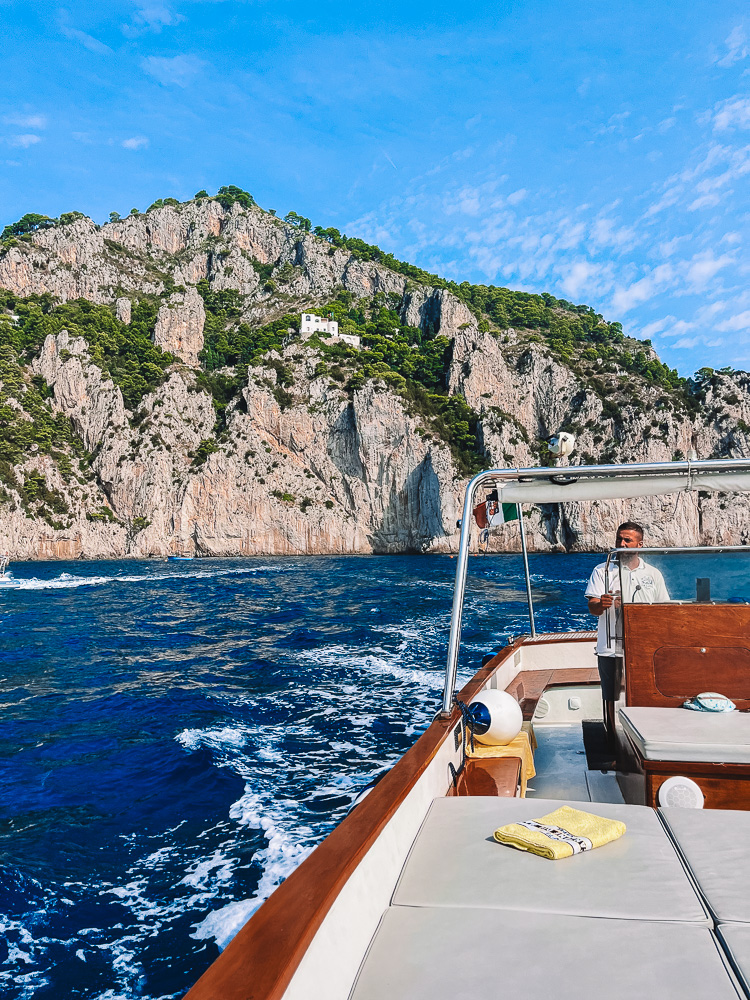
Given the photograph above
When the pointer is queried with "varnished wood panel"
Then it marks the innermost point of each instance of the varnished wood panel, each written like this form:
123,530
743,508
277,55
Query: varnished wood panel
722,789
490,776
664,664
684,671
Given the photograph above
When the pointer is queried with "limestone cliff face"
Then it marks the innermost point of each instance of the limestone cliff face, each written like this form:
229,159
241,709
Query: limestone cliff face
179,326
328,474
318,469
524,395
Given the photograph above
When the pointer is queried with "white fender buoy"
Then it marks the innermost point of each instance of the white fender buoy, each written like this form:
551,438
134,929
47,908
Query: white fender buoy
497,717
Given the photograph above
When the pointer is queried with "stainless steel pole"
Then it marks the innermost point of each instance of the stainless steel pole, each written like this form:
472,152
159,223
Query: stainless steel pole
526,571
451,666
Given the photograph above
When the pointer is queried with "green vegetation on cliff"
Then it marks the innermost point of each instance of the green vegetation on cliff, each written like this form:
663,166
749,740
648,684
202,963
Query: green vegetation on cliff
126,353
29,427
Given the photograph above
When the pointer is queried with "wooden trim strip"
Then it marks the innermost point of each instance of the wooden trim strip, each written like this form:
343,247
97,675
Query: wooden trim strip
258,964
552,638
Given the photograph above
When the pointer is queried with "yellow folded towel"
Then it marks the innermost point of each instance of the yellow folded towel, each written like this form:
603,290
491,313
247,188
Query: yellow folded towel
560,834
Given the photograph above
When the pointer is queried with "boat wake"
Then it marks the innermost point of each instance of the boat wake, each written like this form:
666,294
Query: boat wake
66,581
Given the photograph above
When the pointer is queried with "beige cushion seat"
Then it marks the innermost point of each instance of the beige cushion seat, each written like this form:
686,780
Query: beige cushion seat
677,734
458,953
455,862
714,844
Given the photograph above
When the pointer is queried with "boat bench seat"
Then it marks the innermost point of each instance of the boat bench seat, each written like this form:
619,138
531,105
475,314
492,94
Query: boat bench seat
676,734
457,953
714,846
736,941
455,862
490,776
473,918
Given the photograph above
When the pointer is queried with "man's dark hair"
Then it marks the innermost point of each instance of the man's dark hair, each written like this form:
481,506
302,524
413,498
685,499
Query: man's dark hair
630,526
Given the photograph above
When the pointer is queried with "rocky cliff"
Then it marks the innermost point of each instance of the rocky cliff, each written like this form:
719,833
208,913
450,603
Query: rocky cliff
156,397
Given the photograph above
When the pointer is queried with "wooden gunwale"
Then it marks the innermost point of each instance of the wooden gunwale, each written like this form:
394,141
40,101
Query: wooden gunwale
259,962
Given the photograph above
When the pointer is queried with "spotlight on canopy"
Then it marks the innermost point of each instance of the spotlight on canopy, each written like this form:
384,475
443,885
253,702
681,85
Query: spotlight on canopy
562,444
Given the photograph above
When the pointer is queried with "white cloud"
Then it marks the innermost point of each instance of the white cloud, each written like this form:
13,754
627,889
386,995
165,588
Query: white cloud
88,41
679,327
687,342
135,142
732,113
606,233
706,313
732,238
705,201
579,277
615,123
24,141
177,70
651,329
737,47
670,197
516,196
735,323
625,299
26,121
703,268
151,17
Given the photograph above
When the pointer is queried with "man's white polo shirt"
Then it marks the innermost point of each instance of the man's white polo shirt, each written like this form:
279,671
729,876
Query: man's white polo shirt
643,584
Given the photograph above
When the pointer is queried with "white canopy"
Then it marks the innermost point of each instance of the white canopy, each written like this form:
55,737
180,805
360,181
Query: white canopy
580,486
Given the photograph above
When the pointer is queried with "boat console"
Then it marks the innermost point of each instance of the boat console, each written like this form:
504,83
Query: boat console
698,641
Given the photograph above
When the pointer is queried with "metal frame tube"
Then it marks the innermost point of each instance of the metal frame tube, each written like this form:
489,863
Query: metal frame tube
526,571
451,666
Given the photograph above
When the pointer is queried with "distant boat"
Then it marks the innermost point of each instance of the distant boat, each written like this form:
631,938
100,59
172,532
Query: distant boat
185,555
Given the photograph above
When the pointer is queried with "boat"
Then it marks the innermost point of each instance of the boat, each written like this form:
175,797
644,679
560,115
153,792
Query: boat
412,897
198,552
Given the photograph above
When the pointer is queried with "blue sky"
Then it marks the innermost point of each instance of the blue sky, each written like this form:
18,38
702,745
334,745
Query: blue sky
598,151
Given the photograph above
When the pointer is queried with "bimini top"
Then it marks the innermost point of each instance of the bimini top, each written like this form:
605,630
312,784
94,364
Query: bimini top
562,484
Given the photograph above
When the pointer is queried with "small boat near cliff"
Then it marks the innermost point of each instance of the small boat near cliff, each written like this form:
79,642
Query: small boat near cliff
411,896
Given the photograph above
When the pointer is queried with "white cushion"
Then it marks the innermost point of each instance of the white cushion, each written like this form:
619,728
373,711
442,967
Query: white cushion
445,953
736,941
677,734
456,862
714,844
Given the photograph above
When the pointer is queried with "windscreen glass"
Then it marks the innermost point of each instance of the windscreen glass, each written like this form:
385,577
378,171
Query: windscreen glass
660,576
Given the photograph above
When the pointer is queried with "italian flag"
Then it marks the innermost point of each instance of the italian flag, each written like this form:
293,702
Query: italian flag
492,513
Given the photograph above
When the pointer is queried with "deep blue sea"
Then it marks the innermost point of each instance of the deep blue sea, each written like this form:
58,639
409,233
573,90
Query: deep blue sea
176,737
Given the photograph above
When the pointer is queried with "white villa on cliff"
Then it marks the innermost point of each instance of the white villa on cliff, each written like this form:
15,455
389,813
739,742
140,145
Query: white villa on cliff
311,324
